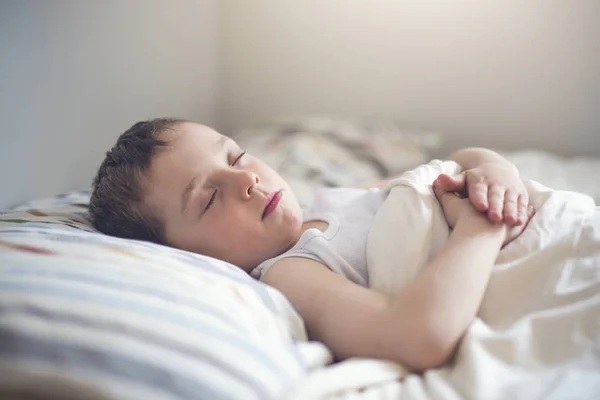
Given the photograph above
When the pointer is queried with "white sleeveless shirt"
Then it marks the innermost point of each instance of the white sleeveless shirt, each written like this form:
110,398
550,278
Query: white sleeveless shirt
342,246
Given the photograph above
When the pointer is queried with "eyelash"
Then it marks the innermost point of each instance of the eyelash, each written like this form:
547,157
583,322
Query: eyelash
243,153
214,195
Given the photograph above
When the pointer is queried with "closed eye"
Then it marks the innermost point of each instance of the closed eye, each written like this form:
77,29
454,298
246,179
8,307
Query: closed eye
214,195
238,158
212,199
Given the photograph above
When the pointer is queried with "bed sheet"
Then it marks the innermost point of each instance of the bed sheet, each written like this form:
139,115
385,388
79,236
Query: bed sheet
574,377
577,174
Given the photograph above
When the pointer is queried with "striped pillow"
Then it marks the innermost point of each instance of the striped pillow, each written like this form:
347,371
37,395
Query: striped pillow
84,315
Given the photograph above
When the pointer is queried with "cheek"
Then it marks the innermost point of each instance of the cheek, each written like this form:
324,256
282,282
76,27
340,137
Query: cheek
264,170
227,228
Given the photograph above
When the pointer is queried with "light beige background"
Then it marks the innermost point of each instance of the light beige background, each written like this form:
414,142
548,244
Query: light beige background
509,73
75,74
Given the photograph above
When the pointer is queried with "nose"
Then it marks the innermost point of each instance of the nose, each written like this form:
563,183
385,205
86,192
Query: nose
244,183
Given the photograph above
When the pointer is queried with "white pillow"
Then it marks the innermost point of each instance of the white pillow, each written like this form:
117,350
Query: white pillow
81,312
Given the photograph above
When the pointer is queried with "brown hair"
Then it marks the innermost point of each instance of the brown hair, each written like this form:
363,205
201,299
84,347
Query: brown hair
116,204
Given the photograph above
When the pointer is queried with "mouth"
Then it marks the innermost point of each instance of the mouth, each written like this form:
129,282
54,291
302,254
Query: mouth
272,202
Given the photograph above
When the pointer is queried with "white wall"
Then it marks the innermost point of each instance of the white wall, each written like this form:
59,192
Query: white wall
75,74
507,74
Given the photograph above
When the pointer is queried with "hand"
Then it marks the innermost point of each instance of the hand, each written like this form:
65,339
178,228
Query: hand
456,208
494,188
513,232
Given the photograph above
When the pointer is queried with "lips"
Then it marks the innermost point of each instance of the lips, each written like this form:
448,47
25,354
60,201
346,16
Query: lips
272,202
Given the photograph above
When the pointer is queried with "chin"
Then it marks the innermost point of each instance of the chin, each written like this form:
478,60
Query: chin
293,214
293,222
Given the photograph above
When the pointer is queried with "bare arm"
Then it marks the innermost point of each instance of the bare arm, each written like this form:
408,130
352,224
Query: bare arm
420,326
473,157
490,181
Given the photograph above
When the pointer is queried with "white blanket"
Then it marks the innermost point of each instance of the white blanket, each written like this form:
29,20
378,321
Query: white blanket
537,333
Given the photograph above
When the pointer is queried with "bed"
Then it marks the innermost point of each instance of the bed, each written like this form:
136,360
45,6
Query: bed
83,315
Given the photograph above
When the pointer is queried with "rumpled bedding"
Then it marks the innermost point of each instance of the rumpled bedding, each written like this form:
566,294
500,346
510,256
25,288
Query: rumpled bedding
537,333
314,152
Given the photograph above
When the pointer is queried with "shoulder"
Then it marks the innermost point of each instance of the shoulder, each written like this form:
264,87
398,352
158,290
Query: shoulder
289,268
299,279
296,275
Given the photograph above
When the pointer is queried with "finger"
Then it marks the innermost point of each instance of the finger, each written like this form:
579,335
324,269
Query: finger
523,210
439,191
530,213
523,206
445,198
451,183
496,203
511,213
451,205
478,194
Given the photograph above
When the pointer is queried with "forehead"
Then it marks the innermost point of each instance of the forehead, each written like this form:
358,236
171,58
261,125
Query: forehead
189,152
189,133
187,143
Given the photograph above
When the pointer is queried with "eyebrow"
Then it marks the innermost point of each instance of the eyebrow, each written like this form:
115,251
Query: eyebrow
186,194
218,145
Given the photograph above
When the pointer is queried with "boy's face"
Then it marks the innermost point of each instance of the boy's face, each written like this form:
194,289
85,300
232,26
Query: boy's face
215,201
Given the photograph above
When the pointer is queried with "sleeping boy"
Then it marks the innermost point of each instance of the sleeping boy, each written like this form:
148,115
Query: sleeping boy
184,185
